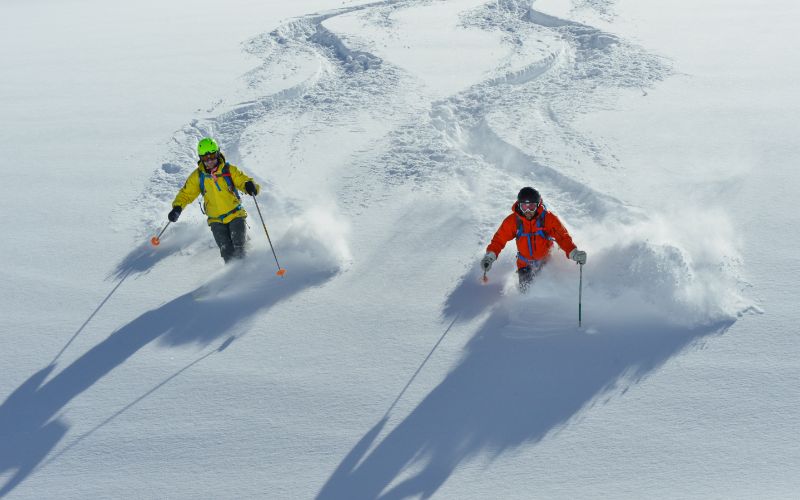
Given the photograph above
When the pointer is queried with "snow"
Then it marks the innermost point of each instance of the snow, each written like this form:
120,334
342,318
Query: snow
390,139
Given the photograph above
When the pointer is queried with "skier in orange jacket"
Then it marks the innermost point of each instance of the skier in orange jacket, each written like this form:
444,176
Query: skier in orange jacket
535,229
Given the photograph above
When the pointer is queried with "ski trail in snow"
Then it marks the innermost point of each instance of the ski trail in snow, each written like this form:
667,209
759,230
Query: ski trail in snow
467,140
466,143
468,118
463,140
319,65
478,408
442,150
467,153
488,122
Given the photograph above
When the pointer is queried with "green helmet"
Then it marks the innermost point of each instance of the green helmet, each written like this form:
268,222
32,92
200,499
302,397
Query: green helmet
206,145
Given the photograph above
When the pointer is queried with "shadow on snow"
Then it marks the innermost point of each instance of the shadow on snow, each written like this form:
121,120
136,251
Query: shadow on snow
30,427
505,393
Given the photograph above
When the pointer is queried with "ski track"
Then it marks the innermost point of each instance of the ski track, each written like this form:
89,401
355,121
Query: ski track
454,139
457,144
460,144
457,148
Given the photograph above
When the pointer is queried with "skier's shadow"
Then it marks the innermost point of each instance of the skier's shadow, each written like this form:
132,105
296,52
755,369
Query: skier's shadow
139,260
472,297
504,393
145,256
30,427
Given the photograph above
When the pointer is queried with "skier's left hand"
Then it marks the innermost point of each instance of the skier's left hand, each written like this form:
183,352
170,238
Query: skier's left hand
250,188
578,256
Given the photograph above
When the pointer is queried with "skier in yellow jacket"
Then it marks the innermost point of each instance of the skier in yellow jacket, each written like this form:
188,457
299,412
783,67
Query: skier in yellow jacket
219,182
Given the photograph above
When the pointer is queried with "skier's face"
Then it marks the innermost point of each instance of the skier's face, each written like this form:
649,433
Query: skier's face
528,209
209,160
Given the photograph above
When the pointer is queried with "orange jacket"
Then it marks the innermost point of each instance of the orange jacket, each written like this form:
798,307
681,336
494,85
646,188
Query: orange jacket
536,246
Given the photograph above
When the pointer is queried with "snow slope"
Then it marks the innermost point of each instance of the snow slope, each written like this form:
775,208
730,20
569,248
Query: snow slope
391,138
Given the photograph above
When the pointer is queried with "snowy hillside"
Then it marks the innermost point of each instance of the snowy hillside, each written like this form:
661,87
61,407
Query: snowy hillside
390,139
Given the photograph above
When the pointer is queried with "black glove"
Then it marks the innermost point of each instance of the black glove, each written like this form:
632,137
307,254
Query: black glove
250,188
174,214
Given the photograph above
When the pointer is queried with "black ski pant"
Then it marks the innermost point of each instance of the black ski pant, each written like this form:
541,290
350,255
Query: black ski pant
230,238
528,273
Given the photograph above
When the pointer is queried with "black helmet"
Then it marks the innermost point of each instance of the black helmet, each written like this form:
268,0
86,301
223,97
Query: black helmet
529,195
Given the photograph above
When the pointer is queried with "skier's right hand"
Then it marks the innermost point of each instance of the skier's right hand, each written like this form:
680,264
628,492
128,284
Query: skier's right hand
174,214
487,261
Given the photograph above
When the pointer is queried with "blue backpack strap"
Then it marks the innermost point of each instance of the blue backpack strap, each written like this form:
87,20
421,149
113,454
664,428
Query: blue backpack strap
540,225
522,234
226,173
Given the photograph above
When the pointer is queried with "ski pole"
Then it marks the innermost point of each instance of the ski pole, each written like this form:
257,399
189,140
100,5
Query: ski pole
156,240
485,278
580,292
281,271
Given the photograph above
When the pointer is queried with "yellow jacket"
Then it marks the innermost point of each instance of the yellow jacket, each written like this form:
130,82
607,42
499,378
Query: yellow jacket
221,202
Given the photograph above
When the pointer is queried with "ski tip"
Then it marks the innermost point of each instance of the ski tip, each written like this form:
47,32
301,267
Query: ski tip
155,241
281,272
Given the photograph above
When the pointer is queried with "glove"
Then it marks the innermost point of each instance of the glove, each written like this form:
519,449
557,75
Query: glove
578,256
250,188
174,214
487,261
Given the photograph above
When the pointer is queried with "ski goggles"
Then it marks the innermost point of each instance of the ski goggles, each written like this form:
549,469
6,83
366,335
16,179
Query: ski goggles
528,207
209,156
